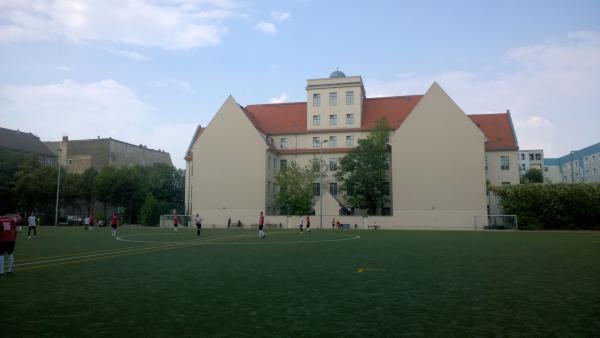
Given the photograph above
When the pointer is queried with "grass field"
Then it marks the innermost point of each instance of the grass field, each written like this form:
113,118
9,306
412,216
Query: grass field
153,282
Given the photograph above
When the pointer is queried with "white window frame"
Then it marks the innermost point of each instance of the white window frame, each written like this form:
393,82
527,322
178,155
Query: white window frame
316,142
316,120
349,140
332,141
333,120
349,118
333,99
317,100
350,98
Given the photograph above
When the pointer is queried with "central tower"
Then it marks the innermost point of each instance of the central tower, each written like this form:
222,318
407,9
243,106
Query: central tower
334,102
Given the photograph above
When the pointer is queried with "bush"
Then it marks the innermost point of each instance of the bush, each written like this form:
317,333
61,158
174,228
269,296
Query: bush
552,206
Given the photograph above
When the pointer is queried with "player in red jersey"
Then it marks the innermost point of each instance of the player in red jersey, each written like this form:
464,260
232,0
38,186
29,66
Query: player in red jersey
261,224
8,235
175,221
114,222
308,224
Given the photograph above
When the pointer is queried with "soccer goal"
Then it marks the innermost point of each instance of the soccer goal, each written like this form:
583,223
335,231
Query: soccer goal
167,220
496,222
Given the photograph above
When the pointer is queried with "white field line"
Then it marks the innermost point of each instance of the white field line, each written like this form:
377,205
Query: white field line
286,242
125,250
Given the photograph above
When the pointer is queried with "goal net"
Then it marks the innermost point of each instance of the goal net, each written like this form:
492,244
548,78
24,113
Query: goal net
167,220
496,222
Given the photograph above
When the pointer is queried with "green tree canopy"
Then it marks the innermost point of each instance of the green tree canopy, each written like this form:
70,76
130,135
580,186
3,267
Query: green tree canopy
533,175
363,170
295,189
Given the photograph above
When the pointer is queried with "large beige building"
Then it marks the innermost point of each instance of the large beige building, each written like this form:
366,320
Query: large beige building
439,160
76,156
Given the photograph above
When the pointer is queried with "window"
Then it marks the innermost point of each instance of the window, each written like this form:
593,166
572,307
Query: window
531,157
349,118
316,120
594,171
386,163
269,162
333,164
333,99
386,188
332,141
593,158
268,187
283,143
316,164
349,98
386,211
70,161
505,183
538,156
349,140
523,157
504,163
316,142
333,189
546,169
282,164
332,120
316,100
274,163
316,189
523,167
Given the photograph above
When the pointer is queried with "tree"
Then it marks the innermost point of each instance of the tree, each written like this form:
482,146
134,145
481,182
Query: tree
533,175
10,162
295,189
87,189
35,188
363,170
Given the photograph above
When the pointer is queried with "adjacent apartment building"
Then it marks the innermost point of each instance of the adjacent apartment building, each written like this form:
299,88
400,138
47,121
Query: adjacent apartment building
78,155
439,160
576,167
530,159
19,141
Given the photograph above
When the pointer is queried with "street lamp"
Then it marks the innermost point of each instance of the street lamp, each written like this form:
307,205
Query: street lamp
572,170
57,188
321,182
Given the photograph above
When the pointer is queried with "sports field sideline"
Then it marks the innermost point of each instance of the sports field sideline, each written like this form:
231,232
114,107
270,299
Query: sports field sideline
228,282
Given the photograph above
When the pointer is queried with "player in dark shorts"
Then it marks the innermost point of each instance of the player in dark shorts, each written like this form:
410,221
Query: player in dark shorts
198,221
307,223
8,236
175,222
261,224
114,222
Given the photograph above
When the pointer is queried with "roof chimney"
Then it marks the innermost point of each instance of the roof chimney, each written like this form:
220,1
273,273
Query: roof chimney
65,139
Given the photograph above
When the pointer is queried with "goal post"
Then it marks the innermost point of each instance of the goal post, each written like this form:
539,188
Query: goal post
496,222
166,221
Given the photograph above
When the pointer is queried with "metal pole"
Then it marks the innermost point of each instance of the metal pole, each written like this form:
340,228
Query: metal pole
57,189
321,185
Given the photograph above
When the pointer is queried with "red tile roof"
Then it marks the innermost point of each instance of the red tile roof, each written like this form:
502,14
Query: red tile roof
394,108
498,130
290,118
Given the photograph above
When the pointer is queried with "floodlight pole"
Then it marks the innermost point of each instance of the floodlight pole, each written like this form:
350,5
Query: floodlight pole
321,183
57,189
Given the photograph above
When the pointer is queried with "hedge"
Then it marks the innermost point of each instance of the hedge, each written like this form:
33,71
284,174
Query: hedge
552,206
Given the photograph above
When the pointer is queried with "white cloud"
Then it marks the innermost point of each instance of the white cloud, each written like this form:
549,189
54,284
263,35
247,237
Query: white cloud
86,110
266,27
281,99
131,55
555,83
64,68
176,24
280,16
181,85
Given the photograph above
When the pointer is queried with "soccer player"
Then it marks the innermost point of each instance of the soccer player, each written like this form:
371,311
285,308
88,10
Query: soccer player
301,224
333,223
175,222
308,223
8,235
86,222
198,221
114,222
32,225
261,224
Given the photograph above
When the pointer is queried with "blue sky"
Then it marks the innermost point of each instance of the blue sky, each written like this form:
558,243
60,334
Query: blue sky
147,72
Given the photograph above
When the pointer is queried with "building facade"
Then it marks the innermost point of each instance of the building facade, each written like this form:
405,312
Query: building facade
530,159
19,141
78,155
436,153
580,166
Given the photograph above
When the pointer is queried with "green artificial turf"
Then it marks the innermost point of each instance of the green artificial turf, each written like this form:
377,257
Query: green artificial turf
75,283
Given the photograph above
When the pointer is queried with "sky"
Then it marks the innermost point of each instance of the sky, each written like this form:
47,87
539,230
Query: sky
150,71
